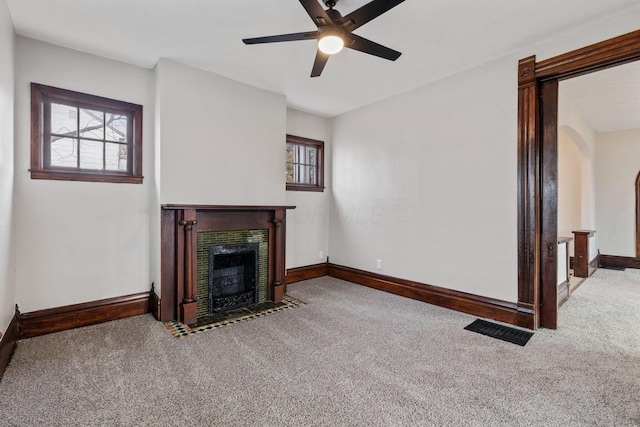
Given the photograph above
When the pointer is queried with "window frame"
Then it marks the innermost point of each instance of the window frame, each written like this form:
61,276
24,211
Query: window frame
319,145
42,95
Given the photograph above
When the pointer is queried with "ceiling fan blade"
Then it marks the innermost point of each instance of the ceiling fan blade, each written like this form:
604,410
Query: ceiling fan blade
319,63
372,48
316,12
366,13
309,35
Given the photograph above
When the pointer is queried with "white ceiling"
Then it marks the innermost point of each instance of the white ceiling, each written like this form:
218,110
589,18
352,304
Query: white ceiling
437,38
610,99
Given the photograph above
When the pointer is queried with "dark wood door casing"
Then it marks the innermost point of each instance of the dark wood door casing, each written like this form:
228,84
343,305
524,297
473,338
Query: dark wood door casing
538,168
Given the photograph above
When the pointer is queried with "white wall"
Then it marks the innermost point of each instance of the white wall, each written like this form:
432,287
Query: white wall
79,241
426,182
569,186
617,166
572,125
221,142
308,224
7,284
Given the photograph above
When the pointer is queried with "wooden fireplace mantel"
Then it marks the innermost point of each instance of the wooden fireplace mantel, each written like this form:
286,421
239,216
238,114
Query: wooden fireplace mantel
179,227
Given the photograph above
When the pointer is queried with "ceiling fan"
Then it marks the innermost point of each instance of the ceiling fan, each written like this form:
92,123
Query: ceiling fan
335,31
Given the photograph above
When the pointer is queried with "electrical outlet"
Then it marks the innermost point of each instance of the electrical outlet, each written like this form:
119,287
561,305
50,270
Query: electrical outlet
379,264
321,255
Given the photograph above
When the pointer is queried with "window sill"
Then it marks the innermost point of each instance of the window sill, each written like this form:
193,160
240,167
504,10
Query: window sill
85,176
303,187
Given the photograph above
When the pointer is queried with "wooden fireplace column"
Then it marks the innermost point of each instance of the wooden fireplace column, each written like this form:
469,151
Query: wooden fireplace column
189,306
179,227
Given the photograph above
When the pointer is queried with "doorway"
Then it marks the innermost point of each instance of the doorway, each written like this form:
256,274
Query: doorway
538,170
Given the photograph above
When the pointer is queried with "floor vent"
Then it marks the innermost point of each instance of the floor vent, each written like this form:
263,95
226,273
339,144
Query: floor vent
504,333
611,267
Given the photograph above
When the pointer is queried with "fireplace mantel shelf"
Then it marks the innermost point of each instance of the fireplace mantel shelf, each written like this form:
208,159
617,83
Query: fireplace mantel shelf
228,208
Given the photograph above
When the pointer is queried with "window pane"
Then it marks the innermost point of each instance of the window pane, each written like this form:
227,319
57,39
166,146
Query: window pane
312,175
311,157
305,174
290,154
64,152
289,172
91,124
116,157
116,128
64,120
91,155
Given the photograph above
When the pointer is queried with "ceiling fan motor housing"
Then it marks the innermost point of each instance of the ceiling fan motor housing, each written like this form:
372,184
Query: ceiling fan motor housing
330,3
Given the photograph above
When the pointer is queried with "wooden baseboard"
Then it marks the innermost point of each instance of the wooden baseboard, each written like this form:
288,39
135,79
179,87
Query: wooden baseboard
154,302
308,272
490,308
619,261
154,305
593,265
8,343
58,319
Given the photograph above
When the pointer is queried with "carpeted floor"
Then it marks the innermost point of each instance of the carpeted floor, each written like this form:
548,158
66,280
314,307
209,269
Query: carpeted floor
352,356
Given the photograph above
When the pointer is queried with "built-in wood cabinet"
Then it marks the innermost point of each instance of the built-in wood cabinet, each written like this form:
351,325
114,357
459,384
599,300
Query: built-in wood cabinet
582,259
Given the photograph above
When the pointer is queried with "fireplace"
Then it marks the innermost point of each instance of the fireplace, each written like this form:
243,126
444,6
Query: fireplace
219,258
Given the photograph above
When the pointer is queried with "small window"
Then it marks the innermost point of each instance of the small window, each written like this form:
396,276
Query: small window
304,164
80,137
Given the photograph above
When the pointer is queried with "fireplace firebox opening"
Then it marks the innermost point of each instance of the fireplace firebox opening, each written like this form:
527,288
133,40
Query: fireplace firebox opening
233,276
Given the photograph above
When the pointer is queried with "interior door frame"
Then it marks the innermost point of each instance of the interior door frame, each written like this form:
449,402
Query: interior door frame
538,168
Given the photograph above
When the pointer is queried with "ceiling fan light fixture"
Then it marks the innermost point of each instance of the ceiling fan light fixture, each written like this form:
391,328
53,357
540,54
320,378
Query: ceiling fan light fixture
330,44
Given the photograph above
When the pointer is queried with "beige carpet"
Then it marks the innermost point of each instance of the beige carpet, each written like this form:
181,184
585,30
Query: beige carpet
352,356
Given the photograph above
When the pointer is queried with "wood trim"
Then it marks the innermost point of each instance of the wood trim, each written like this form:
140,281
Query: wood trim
455,300
58,319
549,210
638,215
581,264
168,255
619,261
8,342
319,145
278,249
85,176
231,208
593,264
609,53
299,274
154,303
528,190
188,313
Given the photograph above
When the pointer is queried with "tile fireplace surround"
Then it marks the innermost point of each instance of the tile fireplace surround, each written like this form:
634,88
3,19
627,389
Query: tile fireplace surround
180,225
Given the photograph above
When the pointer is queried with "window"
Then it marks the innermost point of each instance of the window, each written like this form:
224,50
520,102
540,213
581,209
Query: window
304,164
80,137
